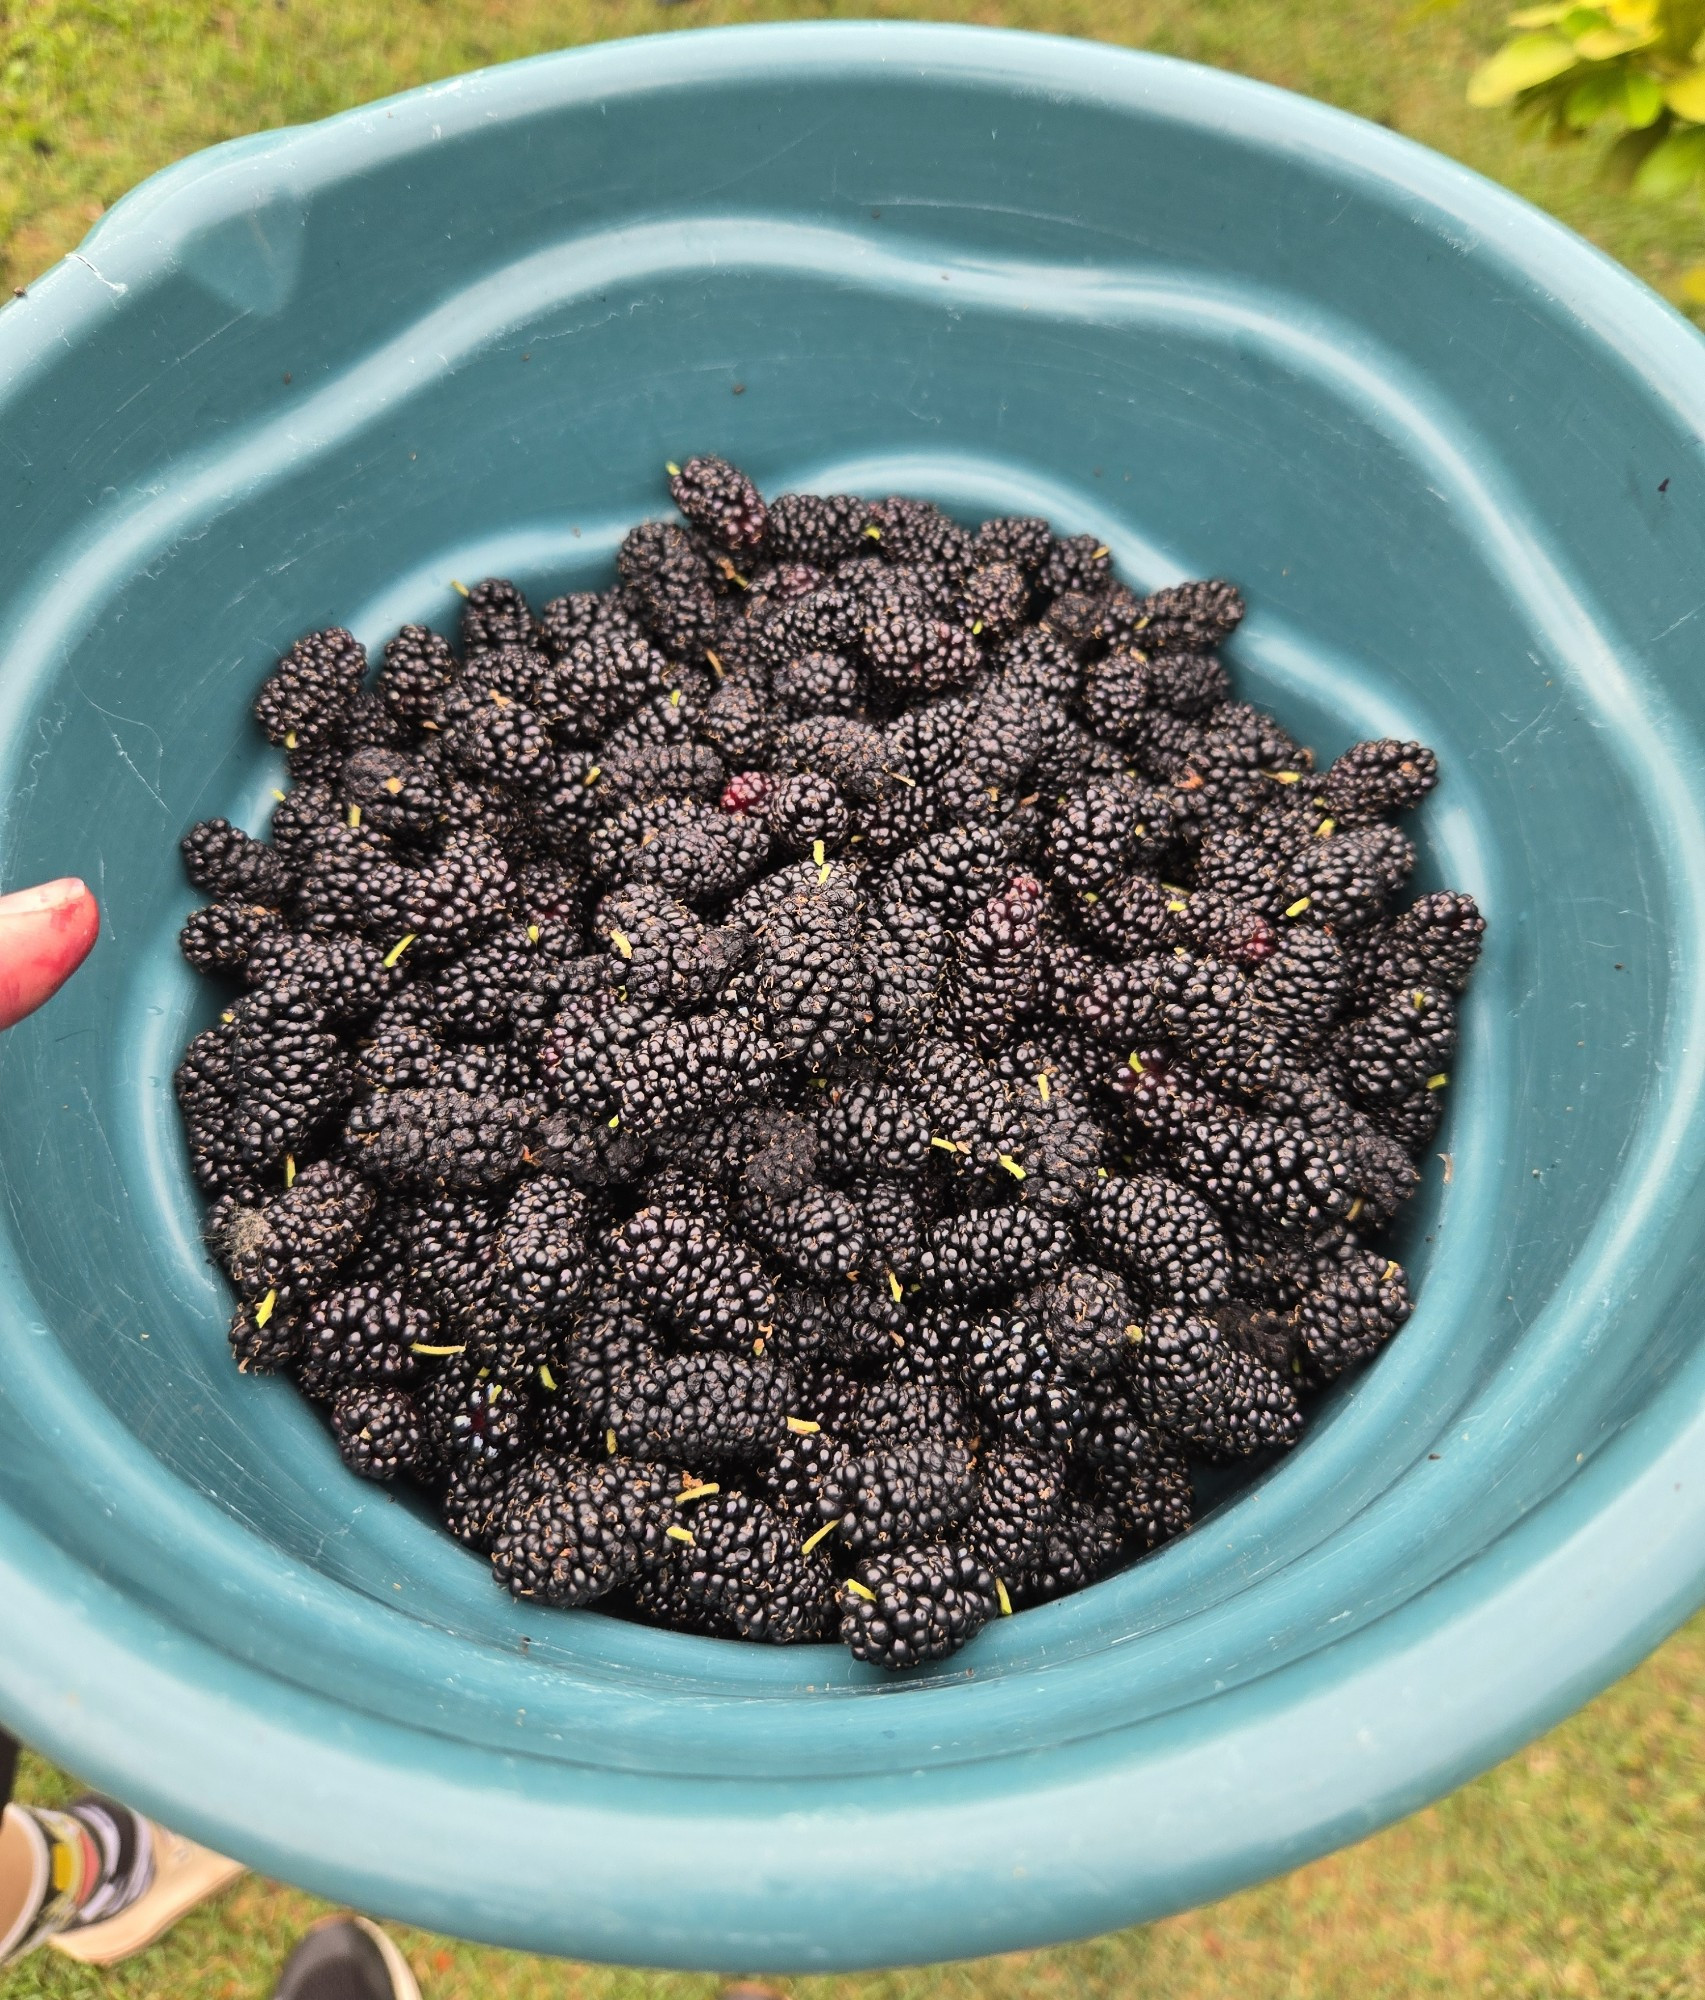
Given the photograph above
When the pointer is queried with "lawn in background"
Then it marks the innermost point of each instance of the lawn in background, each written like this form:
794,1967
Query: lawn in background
94,94
1572,1870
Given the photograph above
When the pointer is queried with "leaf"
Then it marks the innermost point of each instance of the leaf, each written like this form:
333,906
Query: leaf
1605,44
1681,22
1673,164
1597,94
1640,14
1626,157
1541,17
1692,287
1519,65
1686,96
1642,99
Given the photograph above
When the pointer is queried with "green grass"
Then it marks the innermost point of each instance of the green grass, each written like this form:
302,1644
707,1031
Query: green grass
1573,1869
96,93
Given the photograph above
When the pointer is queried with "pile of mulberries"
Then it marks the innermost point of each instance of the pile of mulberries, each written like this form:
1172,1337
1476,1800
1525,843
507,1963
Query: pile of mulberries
807,1093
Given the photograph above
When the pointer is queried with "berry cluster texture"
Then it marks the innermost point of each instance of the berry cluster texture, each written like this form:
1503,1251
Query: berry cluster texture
806,1094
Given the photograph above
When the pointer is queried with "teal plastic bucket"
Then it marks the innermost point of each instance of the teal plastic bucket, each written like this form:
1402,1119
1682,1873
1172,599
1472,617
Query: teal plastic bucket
1452,456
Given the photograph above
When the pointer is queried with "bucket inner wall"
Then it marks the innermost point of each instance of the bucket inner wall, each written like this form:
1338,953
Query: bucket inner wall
405,364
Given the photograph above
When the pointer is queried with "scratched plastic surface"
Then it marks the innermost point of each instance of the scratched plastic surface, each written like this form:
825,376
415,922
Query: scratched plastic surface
1451,455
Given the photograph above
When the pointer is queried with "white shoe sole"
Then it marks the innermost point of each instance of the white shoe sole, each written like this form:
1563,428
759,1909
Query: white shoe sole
402,1979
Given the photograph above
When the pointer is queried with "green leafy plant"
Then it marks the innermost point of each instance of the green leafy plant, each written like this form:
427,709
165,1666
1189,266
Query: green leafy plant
1632,68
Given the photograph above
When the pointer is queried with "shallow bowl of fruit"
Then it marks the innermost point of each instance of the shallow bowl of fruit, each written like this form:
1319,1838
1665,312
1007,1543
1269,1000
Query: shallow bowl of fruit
888,1141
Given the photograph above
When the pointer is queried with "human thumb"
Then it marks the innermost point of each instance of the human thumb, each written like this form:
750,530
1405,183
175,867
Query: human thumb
45,934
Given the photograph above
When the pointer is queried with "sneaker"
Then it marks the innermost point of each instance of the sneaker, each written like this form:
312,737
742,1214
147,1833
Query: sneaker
346,1959
183,1875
